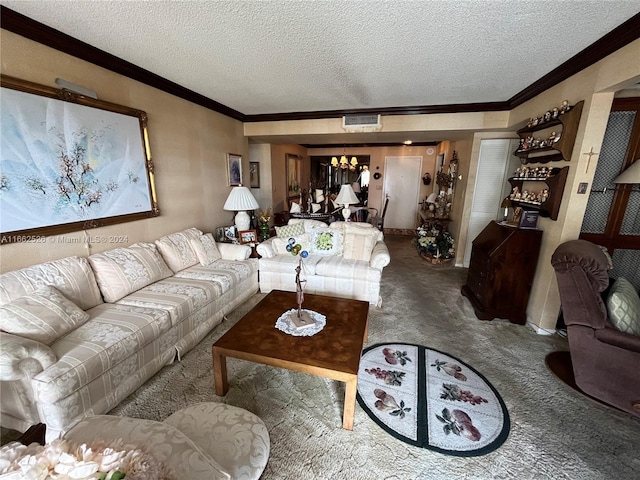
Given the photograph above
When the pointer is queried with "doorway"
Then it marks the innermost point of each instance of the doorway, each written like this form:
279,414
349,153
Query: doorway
402,188
328,178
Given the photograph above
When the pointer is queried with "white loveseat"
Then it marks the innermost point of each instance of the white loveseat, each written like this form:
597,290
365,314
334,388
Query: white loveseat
78,335
345,259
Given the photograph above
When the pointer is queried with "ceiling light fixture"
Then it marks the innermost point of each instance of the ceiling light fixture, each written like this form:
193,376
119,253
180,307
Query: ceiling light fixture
344,162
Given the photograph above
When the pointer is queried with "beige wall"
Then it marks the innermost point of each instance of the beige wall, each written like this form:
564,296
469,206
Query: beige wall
595,85
189,144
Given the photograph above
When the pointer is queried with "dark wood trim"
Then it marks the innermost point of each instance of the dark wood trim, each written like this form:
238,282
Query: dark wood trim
386,111
41,33
366,145
36,31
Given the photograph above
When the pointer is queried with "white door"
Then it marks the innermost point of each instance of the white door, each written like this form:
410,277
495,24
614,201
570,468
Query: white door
402,188
495,165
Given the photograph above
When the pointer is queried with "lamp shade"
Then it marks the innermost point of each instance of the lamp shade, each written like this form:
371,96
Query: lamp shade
432,198
346,196
631,174
506,203
240,198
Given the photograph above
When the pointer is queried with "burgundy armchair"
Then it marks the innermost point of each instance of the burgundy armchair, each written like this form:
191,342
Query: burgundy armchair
606,361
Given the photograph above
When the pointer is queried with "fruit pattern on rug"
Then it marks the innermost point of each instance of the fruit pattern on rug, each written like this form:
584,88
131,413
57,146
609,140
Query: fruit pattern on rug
430,399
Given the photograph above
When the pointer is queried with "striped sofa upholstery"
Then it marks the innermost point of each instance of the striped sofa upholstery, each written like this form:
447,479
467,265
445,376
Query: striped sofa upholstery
143,313
331,274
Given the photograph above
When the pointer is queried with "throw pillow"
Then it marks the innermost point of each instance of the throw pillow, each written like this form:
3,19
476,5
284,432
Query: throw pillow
358,246
280,244
623,305
290,230
326,241
122,271
44,315
206,249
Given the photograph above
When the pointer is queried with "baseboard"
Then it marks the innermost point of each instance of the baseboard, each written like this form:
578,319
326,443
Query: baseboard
540,331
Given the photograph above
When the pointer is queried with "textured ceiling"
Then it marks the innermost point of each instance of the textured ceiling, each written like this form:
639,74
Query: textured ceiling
280,56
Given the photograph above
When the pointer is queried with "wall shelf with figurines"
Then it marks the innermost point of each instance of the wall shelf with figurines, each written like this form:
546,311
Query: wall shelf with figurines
529,192
550,144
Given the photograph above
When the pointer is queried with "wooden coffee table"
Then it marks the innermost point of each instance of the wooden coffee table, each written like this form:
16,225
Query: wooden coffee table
333,353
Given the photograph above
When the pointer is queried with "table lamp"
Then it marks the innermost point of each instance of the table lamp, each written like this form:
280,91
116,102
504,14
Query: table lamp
346,197
240,200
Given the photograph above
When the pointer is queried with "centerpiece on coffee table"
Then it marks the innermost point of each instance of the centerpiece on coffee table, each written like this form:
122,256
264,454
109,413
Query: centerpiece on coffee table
300,318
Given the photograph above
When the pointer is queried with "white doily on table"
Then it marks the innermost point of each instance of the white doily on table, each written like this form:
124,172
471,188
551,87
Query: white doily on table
285,325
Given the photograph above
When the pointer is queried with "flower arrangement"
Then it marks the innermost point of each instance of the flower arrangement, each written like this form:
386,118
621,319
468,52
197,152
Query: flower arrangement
435,243
264,217
64,460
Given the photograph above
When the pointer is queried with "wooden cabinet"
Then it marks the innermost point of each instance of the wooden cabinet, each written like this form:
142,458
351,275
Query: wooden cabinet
501,270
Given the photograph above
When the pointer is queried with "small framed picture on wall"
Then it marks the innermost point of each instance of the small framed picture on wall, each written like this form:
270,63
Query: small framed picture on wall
254,174
234,169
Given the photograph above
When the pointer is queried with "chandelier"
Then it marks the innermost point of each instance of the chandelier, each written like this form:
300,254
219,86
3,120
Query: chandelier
344,162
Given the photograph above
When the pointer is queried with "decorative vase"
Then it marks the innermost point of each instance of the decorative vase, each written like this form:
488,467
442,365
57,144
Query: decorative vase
264,231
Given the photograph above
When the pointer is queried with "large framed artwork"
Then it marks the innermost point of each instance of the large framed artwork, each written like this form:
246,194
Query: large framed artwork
234,169
294,172
69,162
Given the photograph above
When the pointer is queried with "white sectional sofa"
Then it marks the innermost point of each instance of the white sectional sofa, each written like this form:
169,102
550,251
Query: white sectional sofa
345,259
80,334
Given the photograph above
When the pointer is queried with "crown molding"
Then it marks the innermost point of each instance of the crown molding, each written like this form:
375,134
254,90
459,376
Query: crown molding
22,25
38,32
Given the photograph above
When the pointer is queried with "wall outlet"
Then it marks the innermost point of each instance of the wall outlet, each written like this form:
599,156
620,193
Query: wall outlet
582,187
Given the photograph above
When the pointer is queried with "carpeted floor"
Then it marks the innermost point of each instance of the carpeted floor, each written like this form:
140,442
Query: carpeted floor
555,432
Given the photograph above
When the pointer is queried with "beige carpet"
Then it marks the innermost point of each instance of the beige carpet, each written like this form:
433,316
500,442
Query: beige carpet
555,434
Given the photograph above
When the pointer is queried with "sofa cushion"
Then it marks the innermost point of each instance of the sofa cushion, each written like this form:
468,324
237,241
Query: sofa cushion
224,273
44,315
288,263
205,248
176,249
113,334
71,276
357,227
280,244
348,270
124,270
308,223
357,246
326,241
179,296
291,230
623,305
359,241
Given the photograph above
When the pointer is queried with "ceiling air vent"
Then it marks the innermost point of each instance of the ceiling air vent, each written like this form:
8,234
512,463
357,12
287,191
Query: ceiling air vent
358,121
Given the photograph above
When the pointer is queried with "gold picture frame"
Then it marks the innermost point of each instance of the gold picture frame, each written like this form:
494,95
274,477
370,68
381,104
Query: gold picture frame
76,163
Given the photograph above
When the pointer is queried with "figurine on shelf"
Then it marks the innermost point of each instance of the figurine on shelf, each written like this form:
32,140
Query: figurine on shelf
515,193
555,112
564,106
544,195
547,116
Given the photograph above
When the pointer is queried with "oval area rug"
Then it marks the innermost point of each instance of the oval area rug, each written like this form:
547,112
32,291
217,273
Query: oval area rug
432,400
